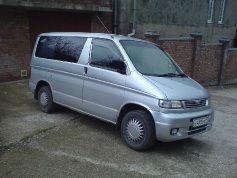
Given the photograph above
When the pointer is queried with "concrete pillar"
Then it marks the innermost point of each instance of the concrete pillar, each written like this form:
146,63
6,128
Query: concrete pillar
225,46
197,52
152,36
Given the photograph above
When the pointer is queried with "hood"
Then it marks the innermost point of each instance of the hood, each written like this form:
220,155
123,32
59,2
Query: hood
176,88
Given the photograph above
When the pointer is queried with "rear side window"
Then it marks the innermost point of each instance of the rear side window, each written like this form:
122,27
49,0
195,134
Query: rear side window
62,48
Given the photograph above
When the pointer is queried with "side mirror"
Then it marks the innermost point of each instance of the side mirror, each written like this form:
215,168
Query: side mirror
119,66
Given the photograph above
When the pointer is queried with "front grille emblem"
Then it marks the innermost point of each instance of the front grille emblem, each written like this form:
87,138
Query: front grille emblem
198,101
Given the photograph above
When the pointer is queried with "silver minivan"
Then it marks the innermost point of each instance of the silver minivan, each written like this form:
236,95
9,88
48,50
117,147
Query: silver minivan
128,82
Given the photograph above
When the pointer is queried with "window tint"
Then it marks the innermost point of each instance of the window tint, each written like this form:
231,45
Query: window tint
60,48
104,52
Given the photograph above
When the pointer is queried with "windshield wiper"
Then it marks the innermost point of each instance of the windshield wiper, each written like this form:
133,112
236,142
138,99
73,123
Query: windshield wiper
182,75
172,75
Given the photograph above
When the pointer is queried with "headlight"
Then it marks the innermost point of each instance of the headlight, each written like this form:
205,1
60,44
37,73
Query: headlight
208,102
170,104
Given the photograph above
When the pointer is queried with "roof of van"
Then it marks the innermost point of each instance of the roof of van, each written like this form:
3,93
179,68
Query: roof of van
88,35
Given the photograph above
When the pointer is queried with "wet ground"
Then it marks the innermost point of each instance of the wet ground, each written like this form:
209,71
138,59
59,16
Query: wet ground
69,144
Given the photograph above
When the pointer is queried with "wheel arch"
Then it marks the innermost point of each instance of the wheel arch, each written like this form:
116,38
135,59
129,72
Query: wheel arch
127,108
39,85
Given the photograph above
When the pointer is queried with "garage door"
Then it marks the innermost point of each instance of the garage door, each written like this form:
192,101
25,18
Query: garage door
44,21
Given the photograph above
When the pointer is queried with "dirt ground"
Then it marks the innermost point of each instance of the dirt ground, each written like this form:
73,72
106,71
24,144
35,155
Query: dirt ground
69,144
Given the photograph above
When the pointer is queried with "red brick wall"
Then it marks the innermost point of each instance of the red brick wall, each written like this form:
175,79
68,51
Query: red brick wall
208,67
181,50
231,65
14,43
205,67
15,49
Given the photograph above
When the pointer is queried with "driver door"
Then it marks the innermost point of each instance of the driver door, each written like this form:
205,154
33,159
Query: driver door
103,90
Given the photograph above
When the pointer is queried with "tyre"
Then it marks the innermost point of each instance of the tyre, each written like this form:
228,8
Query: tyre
45,100
138,130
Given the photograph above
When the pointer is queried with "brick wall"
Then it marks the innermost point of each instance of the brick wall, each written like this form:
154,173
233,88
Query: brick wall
208,64
208,67
14,43
231,66
15,48
181,50
205,68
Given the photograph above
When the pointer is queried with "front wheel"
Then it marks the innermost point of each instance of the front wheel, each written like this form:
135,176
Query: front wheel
45,99
138,130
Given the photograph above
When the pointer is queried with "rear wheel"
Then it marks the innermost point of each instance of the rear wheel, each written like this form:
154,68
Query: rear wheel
45,99
138,130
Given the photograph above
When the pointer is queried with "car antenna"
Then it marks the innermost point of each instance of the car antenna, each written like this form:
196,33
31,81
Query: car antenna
103,24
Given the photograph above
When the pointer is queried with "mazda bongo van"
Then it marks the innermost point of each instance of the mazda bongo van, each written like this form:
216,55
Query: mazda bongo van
128,82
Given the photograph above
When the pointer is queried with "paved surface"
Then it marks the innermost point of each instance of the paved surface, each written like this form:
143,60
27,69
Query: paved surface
68,144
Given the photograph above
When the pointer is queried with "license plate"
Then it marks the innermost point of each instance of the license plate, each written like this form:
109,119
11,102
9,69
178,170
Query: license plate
200,121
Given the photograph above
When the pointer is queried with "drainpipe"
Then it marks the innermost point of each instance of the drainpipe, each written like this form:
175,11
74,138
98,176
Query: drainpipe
133,19
115,17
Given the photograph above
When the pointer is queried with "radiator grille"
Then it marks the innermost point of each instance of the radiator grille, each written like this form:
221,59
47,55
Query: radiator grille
191,104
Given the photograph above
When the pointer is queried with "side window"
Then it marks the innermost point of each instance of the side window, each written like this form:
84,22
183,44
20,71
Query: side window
60,48
46,47
103,53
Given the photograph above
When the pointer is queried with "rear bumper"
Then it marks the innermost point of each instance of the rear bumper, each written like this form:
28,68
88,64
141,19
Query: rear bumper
164,123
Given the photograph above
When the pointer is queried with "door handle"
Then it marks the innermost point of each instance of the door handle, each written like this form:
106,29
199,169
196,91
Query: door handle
85,70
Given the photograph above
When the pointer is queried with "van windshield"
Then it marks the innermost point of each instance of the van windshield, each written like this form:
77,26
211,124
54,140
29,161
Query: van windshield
151,60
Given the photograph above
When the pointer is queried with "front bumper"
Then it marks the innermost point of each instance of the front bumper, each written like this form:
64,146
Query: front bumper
183,122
